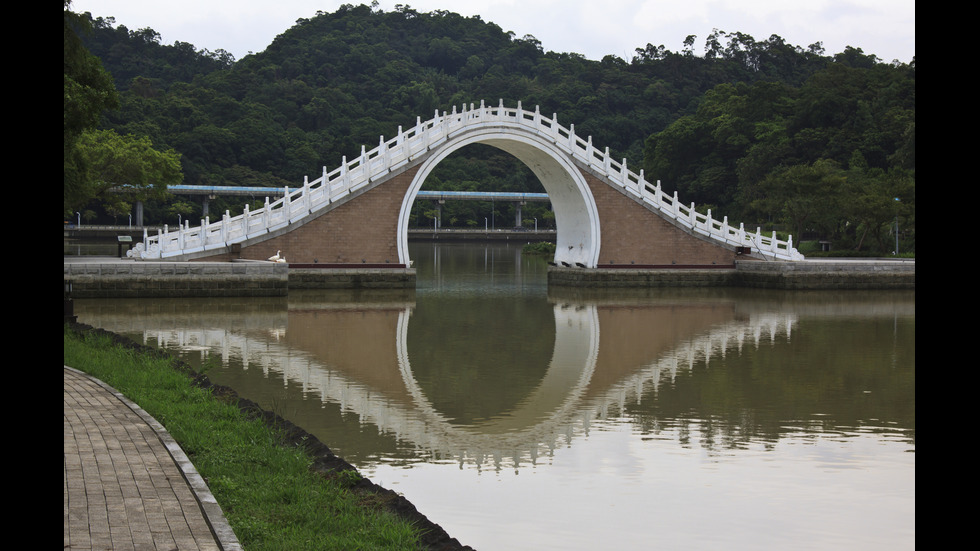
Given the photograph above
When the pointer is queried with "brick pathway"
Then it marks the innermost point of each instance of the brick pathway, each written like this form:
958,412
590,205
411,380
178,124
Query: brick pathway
127,484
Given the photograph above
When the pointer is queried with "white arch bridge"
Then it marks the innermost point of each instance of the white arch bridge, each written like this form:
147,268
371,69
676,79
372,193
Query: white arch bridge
605,214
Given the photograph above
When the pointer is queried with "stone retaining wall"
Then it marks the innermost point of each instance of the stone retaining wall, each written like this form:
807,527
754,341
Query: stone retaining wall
245,279
754,274
350,278
219,279
626,277
884,274
176,279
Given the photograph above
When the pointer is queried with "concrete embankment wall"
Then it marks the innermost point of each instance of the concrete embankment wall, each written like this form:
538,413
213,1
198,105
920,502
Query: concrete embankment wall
351,278
628,277
245,279
827,274
819,274
219,279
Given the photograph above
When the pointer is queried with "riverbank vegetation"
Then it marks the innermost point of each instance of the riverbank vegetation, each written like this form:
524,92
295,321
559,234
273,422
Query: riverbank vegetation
269,493
778,136
544,248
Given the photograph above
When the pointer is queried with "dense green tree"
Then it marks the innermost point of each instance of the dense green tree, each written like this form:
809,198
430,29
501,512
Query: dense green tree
124,169
88,90
874,198
808,198
765,150
702,155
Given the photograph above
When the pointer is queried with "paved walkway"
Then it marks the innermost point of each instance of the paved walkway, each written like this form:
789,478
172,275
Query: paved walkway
127,484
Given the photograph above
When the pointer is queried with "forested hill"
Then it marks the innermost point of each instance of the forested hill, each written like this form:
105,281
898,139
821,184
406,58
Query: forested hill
338,80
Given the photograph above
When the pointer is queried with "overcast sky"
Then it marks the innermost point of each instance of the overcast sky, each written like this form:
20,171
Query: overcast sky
593,28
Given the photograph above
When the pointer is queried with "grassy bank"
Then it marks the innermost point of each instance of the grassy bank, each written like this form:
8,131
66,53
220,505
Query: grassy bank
266,487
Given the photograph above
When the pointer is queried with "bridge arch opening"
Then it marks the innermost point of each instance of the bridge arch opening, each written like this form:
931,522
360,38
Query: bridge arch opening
548,406
576,215
480,187
459,376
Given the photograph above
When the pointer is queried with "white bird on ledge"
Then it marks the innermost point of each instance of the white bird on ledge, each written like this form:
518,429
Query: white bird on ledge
275,257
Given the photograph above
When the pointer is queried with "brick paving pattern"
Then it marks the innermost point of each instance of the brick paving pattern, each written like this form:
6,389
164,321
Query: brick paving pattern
124,488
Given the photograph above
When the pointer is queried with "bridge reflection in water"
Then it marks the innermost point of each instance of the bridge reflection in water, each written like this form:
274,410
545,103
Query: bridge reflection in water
357,356
497,374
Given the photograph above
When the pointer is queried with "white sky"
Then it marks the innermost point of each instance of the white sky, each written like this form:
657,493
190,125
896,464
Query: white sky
593,28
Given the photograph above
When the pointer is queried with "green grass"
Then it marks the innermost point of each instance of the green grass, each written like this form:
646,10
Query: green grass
269,494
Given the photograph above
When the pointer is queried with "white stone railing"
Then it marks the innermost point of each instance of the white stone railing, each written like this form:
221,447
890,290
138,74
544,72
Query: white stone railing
371,166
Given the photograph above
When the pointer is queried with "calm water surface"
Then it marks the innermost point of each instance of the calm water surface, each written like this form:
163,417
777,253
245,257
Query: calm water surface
519,417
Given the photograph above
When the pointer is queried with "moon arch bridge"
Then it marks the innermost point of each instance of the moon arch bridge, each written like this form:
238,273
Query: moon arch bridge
358,213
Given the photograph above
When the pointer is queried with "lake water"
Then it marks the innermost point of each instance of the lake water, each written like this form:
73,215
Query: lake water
522,417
